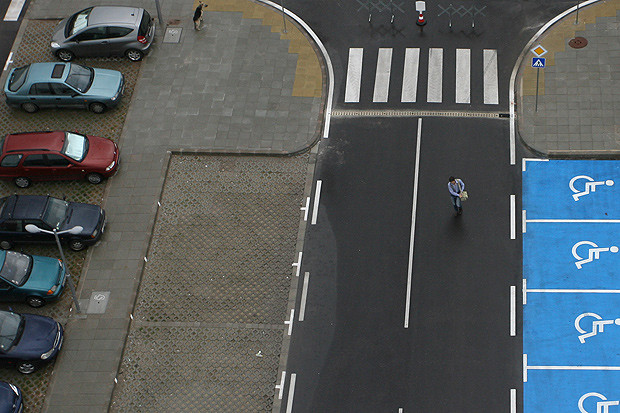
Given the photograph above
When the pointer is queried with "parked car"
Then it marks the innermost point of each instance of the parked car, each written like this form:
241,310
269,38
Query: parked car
47,156
49,214
63,85
105,31
10,398
28,340
30,278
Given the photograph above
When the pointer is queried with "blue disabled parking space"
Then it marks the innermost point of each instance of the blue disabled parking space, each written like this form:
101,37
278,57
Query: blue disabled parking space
572,189
562,391
572,329
572,255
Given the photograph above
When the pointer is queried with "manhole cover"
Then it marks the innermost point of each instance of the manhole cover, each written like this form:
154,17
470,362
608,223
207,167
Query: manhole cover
173,34
578,43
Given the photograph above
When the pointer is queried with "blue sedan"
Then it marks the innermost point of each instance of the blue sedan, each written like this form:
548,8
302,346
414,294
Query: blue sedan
63,85
30,278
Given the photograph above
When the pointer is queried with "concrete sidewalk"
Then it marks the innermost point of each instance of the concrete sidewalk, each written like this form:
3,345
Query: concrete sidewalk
578,109
238,86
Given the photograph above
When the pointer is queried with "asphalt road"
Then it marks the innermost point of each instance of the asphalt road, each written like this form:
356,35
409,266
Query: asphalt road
352,352
8,30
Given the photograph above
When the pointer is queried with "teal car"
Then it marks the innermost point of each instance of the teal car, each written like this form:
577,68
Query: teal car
63,85
30,278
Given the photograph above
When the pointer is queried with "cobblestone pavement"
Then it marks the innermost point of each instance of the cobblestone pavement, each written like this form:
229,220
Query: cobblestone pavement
109,125
579,89
208,326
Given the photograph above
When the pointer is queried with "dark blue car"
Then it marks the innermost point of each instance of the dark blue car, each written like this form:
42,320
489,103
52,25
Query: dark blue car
27,340
10,398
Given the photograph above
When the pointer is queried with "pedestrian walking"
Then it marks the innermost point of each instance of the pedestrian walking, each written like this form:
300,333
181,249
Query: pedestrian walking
456,187
198,16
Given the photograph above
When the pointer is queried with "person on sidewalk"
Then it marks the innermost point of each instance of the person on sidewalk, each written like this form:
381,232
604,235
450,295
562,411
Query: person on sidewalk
198,16
456,188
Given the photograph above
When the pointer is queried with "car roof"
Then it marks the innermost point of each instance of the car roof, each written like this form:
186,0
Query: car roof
30,141
24,206
114,14
43,71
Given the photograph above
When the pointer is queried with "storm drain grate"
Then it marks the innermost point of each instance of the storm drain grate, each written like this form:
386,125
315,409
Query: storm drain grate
414,113
173,34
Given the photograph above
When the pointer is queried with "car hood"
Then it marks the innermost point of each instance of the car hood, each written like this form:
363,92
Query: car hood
45,274
38,337
59,31
101,152
106,83
85,215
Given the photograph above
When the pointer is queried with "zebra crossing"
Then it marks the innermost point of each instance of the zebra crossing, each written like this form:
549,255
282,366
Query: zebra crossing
411,68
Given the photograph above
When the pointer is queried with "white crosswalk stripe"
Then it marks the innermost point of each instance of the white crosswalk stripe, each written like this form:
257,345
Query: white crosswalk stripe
462,73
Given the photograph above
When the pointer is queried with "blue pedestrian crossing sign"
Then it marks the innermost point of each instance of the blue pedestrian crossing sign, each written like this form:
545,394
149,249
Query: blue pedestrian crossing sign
539,62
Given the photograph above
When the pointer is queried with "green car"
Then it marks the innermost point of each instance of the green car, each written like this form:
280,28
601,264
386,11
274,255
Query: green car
30,278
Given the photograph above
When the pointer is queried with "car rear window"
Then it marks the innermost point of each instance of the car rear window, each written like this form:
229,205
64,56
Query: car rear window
145,24
76,146
18,77
16,268
77,22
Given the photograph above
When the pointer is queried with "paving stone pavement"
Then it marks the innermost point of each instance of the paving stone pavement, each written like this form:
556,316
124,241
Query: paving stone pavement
578,110
238,86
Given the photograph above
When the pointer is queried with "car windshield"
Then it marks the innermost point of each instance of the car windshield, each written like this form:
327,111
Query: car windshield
78,21
18,77
55,212
80,77
75,147
16,268
10,329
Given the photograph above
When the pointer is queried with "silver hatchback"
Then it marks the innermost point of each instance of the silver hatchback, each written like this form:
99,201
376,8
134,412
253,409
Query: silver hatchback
105,31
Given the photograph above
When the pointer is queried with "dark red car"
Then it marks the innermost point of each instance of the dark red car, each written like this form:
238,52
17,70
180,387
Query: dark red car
51,156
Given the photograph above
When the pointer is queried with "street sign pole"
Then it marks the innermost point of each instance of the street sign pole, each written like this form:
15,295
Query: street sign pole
537,77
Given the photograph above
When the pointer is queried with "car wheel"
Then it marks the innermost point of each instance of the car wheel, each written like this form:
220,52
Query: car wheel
77,245
5,245
65,55
35,302
97,107
22,182
30,107
26,367
134,55
94,178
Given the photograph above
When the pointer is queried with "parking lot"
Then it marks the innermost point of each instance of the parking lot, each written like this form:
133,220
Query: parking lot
571,292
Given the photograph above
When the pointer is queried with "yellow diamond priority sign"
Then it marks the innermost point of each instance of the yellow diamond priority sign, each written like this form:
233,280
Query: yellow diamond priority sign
539,51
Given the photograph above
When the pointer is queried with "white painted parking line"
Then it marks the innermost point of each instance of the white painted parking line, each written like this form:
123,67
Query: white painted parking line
463,75
435,75
527,291
513,400
491,91
14,10
527,367
513,310
9,60
354,75
525,160
513,217
304,296
291,393
382,76
290,321
280,386
410,75
413,216
306,208
524,221
298,264
317,197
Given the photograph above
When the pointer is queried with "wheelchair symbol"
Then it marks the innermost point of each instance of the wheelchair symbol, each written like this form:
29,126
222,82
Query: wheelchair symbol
598,325
601,407
589,186
593,253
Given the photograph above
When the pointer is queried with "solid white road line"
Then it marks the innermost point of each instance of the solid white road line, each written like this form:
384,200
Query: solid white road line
304,296
513,310
14,10
382,76
9,60
410,75
524,291
317,197
354,75
513,216
523,221
291,393
491,91
463,75
525,368
413,215
435,75
513,400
